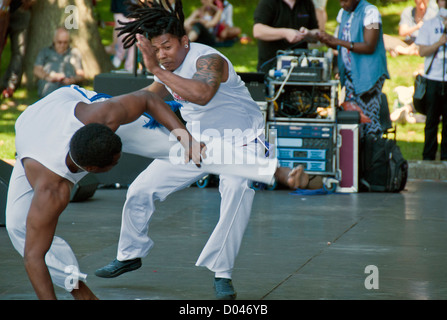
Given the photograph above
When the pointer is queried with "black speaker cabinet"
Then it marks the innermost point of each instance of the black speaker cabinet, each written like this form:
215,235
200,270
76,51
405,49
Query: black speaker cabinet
116,84
125,172
121,83
85,188
5,175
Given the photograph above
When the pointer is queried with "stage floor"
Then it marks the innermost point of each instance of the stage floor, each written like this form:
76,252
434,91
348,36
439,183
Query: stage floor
295,247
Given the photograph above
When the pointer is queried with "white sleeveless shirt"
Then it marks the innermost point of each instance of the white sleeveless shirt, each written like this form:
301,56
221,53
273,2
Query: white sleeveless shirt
231,113
45,128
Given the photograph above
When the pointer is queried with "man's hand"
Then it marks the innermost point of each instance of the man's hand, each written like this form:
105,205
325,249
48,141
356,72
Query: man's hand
327,39
196,152
148,52
293,36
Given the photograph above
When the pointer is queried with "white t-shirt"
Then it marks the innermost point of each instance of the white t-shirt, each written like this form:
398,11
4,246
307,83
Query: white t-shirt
430,33
372,17
232,114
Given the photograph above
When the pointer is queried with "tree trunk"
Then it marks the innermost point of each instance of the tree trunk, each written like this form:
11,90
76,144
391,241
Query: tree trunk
77,17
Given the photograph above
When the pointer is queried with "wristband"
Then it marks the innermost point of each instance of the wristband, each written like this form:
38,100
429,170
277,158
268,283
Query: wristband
352,46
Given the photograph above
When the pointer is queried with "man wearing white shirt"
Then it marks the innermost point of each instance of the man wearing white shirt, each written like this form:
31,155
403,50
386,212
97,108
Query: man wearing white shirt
214,100
432,45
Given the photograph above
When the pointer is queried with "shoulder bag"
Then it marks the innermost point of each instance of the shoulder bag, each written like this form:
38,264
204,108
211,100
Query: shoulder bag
420,86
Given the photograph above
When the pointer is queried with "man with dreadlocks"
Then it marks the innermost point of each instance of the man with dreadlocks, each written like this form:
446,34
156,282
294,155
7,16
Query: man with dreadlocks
213,98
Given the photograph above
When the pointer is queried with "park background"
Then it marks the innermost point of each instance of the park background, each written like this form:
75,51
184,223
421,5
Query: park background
409,137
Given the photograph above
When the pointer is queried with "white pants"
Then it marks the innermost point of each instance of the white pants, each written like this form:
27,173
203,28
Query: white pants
162,178
236,195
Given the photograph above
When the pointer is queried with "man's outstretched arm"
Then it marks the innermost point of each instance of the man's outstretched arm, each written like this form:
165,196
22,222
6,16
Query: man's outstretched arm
129,107
51,196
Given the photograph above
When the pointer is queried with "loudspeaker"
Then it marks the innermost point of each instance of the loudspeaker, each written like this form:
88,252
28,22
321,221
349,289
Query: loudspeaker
84,189
255,84
116,84
124,173
121,83
5,175
348,157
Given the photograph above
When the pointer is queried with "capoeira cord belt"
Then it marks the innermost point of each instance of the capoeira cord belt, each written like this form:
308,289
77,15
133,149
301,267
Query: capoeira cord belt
152,124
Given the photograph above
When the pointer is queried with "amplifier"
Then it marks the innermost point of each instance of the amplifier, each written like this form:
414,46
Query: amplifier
296,153
309,144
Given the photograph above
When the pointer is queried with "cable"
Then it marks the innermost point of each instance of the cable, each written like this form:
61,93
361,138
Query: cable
282,85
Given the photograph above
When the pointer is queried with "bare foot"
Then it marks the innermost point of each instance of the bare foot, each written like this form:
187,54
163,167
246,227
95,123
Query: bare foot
298,178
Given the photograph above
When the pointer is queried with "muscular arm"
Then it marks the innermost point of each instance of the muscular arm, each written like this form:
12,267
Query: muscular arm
211,71
129,107
51,197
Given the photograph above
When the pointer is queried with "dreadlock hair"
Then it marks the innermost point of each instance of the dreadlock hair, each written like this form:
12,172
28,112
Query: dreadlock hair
153,19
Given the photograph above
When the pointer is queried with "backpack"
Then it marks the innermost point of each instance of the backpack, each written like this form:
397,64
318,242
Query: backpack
382,167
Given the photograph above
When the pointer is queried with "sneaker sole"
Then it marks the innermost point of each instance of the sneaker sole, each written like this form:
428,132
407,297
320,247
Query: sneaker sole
227,297
120,271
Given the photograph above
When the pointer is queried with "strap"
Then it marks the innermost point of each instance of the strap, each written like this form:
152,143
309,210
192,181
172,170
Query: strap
429,67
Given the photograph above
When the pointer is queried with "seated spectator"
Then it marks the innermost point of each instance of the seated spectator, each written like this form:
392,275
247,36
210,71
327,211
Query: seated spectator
200,25
225,28
58,65
411,20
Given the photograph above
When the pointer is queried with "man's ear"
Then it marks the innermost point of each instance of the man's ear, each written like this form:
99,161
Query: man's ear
184,41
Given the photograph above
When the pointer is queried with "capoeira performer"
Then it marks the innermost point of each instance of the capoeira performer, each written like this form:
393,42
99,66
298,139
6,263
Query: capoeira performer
69,133
58,140
213,98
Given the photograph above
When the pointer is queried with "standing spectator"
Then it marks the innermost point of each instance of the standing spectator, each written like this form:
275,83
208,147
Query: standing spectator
120,12
282,24
320,10
362,58
20,16
432,45
58,65
4,22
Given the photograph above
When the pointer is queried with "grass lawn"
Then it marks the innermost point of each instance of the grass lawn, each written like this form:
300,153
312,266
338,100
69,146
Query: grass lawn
244,57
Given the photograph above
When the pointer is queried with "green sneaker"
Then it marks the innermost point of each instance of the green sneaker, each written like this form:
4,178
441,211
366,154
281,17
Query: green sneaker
116,267
224,289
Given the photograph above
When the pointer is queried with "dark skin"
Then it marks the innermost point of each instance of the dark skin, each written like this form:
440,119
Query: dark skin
52,192
371,34
212,70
